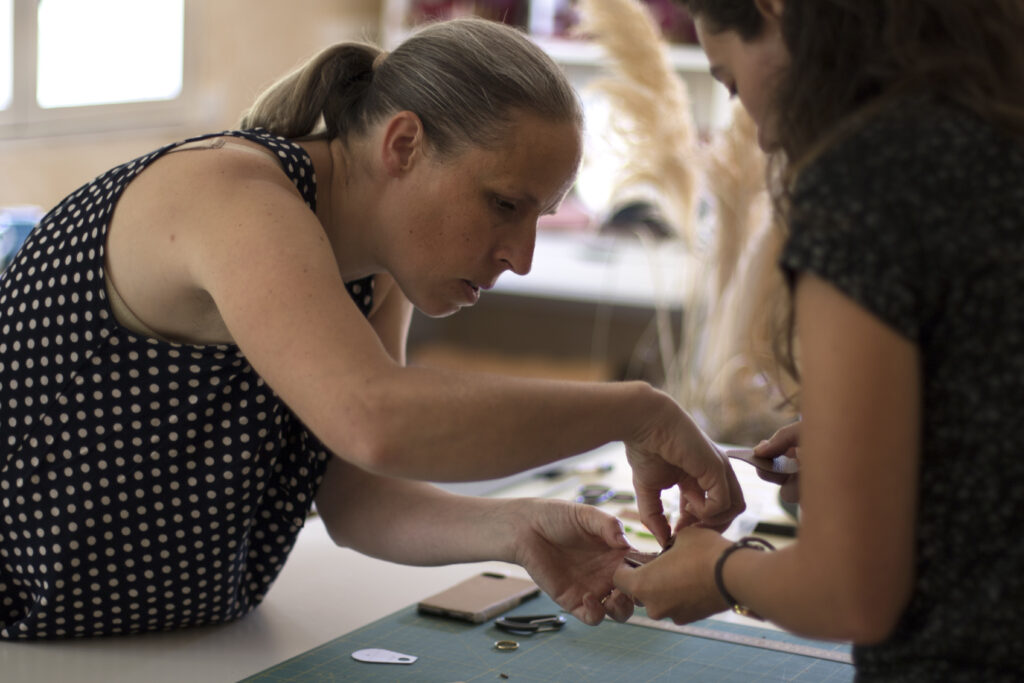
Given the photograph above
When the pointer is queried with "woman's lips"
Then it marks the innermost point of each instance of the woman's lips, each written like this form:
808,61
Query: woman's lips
472,291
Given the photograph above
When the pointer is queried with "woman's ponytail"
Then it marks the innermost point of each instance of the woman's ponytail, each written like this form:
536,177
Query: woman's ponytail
325,91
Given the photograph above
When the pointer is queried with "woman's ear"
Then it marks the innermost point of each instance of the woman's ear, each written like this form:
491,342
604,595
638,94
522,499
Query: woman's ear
771,9
403,142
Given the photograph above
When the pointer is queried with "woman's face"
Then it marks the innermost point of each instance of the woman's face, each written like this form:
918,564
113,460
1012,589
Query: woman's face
467,219
749,69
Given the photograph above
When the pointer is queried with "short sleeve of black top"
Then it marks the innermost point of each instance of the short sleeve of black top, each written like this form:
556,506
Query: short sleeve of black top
144,485
919,218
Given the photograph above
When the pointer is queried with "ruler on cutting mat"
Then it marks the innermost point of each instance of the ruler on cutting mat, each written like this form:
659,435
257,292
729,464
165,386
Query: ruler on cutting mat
742,639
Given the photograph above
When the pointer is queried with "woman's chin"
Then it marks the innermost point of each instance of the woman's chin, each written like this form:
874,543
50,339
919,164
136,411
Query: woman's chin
440,310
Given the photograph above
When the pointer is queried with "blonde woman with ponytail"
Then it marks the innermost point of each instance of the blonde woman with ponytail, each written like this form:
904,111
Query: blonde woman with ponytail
201,342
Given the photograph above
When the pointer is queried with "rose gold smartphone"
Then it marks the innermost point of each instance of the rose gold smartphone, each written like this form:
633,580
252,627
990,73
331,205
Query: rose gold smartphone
480,597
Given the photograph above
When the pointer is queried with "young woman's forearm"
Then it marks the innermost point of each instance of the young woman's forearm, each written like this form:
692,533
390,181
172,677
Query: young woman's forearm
809,591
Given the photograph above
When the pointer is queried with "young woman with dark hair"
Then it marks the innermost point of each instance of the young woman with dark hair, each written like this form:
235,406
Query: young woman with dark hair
897,133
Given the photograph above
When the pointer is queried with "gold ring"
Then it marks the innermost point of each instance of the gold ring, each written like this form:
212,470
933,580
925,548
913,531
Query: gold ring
506,645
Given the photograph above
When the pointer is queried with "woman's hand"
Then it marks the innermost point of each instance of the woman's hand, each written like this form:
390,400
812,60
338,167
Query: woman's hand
571,551
680,583
673,451
786,442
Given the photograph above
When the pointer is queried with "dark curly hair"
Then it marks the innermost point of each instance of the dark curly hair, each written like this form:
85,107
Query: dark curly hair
742,17
849,58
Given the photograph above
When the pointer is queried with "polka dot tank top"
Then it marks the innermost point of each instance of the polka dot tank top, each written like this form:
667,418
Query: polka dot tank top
144,485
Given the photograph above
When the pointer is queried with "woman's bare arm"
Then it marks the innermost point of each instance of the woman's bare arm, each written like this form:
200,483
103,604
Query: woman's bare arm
244,238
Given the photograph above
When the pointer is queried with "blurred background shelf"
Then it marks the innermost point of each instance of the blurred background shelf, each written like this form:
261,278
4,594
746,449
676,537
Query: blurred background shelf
586,311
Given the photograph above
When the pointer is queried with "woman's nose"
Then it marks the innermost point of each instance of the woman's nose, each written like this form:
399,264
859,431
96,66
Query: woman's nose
516,253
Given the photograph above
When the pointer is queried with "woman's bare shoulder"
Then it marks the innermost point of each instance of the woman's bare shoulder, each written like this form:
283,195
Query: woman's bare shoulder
212,174
187,216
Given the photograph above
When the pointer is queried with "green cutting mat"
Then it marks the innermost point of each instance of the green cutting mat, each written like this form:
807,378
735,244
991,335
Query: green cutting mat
449,651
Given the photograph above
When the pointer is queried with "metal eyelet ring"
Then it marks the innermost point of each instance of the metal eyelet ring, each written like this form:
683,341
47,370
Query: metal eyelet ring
506,645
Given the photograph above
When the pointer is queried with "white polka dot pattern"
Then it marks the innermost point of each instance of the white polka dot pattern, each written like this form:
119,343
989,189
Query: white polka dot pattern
144,485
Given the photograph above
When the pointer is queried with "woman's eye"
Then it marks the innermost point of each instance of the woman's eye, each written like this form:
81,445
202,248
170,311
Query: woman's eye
732,91
504,204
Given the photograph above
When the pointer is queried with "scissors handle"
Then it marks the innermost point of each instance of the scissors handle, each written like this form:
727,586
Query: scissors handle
636,558
524,624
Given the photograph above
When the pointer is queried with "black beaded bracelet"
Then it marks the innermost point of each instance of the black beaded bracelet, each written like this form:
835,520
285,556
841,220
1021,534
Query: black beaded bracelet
752,542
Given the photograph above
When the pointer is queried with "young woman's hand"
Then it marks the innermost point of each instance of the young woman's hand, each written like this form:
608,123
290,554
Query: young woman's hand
672,452
572,551
679,583
786,441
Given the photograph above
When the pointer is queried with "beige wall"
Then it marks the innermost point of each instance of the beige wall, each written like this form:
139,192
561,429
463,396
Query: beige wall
240,46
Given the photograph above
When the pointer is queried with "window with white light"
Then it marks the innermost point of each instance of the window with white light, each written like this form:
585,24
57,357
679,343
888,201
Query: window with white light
104,51
85,65
6,53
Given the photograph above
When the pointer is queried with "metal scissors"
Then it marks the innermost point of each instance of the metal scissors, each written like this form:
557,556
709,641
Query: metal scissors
635,558
528,624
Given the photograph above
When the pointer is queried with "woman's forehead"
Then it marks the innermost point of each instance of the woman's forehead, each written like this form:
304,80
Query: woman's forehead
537,160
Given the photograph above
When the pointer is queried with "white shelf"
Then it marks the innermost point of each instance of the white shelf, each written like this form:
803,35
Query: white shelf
583,61
684,58
612,270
